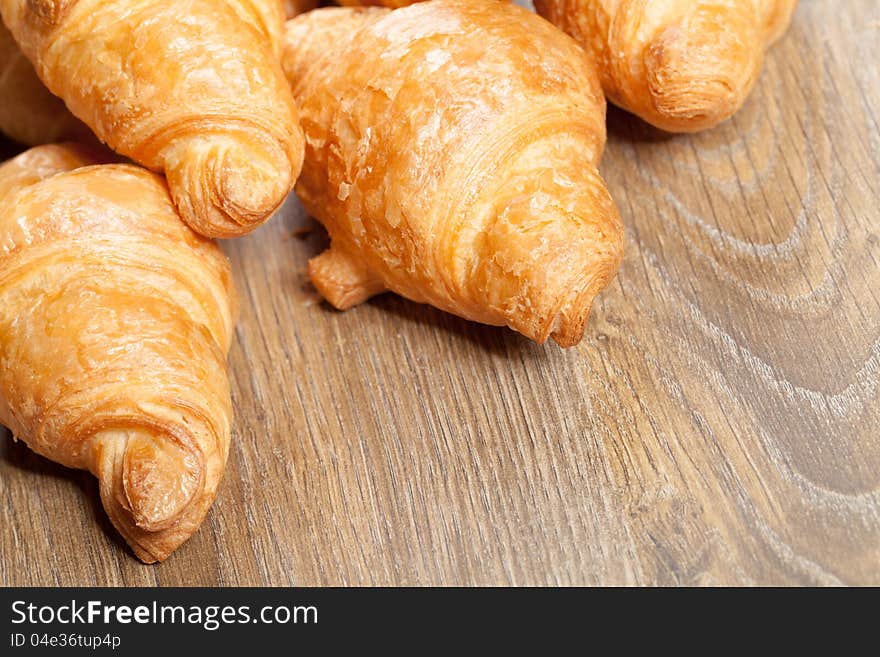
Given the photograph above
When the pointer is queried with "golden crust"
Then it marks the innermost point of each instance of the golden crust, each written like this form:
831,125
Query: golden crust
296,7
391,4
681,65
202,99
451,154
115,321
29,114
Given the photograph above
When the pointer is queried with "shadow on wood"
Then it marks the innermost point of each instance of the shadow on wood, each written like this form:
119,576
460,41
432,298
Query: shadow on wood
37,469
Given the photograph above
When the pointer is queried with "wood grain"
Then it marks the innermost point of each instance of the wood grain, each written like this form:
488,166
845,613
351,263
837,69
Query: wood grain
718,425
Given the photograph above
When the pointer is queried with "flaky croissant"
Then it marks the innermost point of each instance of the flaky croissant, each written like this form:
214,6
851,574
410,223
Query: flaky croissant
451,153
191,88
681,65
115,320
29,114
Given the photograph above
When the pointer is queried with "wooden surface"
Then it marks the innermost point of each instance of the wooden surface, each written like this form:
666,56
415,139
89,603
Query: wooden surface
718,425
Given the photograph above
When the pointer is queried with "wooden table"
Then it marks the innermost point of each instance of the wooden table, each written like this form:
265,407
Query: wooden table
718,425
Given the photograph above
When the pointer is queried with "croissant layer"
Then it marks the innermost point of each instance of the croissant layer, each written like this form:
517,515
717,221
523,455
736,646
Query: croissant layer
681,65
190,88
451,153
115,320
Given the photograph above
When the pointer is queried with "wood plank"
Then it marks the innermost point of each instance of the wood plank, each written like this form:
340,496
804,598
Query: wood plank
718,425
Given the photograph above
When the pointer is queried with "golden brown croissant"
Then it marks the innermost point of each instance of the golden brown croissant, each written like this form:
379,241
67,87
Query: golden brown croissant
451,153
681,65
192,88
29,114
115,320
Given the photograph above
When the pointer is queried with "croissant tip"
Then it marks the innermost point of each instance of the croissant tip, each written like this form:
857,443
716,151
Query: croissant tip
694,106
570,324
694,86
224,190
152,489
159,479
149,558
342,279
249,190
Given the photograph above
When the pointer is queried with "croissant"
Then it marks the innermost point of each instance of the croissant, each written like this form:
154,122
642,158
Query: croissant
451,154
192,89
115,320
29,114
681,65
